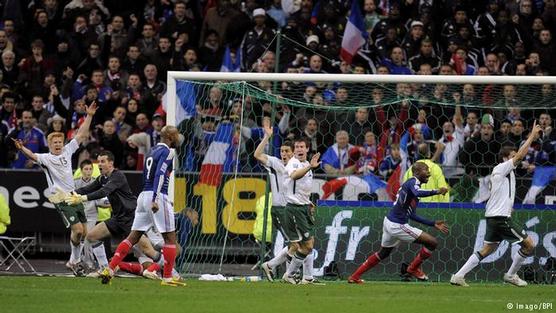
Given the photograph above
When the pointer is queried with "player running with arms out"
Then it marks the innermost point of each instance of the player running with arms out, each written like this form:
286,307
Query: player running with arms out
299,209
396,228
58,170
154,207
111,184
498,214
278,174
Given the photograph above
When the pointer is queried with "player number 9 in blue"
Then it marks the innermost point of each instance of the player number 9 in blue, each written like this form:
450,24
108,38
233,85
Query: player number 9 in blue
148,165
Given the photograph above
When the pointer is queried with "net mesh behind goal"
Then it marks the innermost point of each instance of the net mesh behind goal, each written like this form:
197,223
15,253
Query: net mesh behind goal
368,134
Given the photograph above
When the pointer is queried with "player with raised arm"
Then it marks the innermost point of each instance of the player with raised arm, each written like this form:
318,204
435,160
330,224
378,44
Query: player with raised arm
154,207
499,207
396,228
59,175
299,209
278,174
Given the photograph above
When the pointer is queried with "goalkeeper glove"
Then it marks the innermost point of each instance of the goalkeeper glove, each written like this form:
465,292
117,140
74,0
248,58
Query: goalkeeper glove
75,198
58,196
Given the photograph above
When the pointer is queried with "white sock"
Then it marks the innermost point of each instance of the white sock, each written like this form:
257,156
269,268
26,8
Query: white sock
471,263
87,254
100,254
280,258
519,258
75,256
295,264
308,266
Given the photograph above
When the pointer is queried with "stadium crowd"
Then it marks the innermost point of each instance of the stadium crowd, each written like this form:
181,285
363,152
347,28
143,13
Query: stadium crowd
58,56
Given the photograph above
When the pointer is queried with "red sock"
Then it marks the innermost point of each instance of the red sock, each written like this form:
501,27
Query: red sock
155,267
121,252
169,253
423,254
133,268
367,265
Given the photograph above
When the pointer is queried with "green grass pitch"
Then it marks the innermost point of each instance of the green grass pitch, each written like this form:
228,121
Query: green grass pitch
82,295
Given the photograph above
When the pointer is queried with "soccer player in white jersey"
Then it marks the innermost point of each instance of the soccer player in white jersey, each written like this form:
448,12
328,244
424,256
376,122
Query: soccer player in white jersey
57,167
498,214
299,209
277,174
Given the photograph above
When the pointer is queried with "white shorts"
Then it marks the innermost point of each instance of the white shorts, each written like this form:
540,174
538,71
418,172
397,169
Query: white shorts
162,220
394,233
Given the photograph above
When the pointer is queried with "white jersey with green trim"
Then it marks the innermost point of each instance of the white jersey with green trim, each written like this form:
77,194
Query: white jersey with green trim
57,168
502,190
278,175
298,191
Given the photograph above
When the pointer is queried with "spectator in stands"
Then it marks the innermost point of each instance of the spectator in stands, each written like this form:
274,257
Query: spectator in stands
358,127
545,162
133,90
368,156
114,75
213,105
115,38
121,128
149,41
479,156
34,68
40,114
56,124
390,162
153,89
426,56
503,133
396,63
7,112
10,72
449,146
32,138
257,39
336,158
92,61
472,126
134,63
179,23
412,41
436,180
517,133
108,139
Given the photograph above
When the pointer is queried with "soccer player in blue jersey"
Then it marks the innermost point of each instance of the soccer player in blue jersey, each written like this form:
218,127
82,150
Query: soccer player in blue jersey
396,228
154,207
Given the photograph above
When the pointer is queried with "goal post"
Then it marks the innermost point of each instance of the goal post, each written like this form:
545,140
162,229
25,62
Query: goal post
357,122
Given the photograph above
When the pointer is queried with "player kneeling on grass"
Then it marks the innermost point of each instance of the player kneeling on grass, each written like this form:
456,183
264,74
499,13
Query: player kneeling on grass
154,207
396,228
498,214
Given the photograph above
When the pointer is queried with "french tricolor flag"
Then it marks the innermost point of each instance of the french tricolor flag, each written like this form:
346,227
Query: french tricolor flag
354,35
213,163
